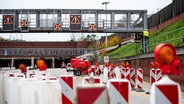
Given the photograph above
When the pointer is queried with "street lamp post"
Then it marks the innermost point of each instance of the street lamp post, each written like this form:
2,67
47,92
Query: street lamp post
105,3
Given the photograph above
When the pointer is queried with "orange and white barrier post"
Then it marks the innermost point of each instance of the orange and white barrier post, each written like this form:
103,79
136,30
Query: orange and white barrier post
132,79
139,81
166,91
66,82
118,91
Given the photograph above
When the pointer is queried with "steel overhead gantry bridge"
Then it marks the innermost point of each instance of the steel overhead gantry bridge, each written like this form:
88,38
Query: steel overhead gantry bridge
72,20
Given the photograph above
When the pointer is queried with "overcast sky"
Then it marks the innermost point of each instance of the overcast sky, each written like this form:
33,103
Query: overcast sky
151,5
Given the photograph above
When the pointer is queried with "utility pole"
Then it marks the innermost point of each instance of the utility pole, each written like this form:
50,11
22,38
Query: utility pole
105,3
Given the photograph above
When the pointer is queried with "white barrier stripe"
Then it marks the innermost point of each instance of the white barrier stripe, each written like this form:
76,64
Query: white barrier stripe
103,97
160,97
158,76
132,73
140,75
127,73
132,82
67,90
139,83
153,75
116,95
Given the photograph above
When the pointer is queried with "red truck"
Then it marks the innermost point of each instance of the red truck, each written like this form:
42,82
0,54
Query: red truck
78,66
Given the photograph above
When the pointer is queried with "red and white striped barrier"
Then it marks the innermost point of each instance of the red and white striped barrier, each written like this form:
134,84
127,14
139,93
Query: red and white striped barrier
92,69
139,81
86,80
97,71
112,72
132,79
158,74
152,76
92,94
122,72
165,91
66,82
125,73
118,91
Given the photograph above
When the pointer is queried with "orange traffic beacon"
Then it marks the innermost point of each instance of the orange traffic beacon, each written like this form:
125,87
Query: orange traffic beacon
166,91
165,55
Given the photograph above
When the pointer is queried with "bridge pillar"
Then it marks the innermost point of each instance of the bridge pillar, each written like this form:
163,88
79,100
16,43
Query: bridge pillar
16,20
12,62
37,19
128,20
32,61
145,21
53,62
96,20
112,20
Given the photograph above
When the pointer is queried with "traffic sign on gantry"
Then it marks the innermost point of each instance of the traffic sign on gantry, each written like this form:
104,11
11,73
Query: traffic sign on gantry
75,22
8,22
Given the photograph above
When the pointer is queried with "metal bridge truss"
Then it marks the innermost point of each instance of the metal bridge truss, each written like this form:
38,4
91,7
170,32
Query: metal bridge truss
60,20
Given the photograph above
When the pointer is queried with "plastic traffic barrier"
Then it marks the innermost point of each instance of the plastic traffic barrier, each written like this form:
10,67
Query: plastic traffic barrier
118,91
28,91
158,74
105,75
49,92
67,92
132,79
91,94
139,80
166,91
86,80
152,76
13,90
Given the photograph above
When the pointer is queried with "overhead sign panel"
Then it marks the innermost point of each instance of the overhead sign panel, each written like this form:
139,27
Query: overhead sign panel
92,27
8,22
57,27
75,22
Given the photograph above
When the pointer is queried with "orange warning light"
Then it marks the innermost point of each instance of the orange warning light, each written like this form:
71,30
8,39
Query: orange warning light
123,64
40,63
127,64
153,65
22,66
165,55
